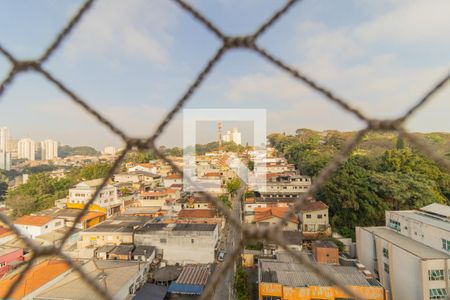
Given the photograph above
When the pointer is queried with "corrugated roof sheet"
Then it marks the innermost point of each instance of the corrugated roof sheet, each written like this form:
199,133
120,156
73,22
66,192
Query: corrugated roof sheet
195,274
186,289
296,275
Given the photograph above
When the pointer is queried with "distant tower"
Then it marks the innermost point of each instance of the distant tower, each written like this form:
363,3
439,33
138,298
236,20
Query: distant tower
219,134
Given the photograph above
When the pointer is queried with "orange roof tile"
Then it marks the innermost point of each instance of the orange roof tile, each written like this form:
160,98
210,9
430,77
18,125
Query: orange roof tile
267,213
36,277
196,213
92,215
33,220
173,176
5,231
313,206
212,174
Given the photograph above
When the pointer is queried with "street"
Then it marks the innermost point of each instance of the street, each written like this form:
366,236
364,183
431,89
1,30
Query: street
229,241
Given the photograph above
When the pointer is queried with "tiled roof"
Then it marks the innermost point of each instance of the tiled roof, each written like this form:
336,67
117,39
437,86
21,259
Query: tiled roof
36,277
270,212
92,215
33,220
313,206
5,232
196,213
173,176
159,193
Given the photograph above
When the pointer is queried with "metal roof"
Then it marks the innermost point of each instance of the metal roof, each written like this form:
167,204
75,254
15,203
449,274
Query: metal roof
296,275
141,250
438,209
122,250
186,289
194,274
195,227
406,243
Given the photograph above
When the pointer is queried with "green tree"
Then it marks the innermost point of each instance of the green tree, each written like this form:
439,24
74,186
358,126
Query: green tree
233,185
21,205
241,284
226,200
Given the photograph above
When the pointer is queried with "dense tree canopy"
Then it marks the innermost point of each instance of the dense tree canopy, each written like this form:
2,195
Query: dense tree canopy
370,182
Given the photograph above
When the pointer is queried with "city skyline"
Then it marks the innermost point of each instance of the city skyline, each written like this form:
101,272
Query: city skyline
134,76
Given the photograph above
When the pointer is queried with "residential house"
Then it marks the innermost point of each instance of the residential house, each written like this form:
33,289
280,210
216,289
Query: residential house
172,179
6,235
122,278
137,179
158,197
33,226
273,215
145,167
107,200
182,243
37,279
115,231
9,257
314,220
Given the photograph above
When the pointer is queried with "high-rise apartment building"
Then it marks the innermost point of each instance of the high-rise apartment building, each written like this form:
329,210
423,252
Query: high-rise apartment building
49,150
5,160
12,147
110,150
26,148
4,138
232,135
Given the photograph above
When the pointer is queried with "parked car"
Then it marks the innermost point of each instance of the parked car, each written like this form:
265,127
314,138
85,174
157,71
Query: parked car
221,256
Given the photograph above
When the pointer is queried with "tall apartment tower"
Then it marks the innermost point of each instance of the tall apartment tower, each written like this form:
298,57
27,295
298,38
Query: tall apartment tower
26,149
4,138
49,150
232,135
5,155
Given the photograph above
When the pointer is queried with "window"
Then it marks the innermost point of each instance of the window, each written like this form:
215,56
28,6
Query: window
439,293
386,268
308,216
192,241
2,264
446,244
163,241
394,225
435,275
58,223
319,216
385,252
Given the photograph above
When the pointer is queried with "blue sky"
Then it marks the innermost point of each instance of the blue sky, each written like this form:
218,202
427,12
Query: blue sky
133,59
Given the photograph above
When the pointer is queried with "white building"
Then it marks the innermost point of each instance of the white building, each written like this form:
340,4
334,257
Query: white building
4,138
182,243
411,254
107,201
232,135
110,150
5,160
49,150
33,226
26,149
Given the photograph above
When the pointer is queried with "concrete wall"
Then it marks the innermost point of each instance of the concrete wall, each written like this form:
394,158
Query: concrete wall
182,246
98,239
34,231
429,235
314,223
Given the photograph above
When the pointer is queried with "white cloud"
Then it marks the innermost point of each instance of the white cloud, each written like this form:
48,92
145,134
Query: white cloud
254,87
411,22
138,29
